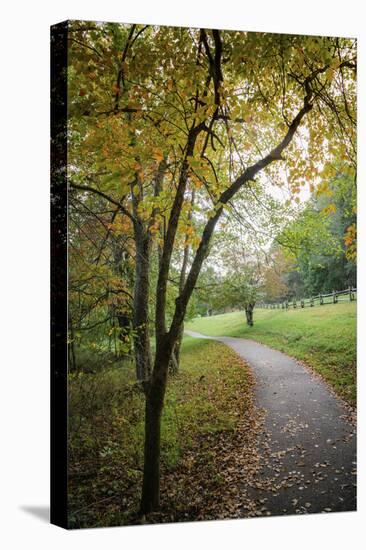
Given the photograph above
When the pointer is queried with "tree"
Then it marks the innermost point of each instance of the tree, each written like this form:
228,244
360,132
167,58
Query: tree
238,282
100,278
156,113
241,290
317,241
274,284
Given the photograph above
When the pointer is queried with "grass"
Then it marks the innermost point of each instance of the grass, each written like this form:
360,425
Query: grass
205,400
324,337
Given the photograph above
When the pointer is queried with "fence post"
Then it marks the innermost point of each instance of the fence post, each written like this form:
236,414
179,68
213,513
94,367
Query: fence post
335,297
321,299
350,294
302,303
311,302
294,304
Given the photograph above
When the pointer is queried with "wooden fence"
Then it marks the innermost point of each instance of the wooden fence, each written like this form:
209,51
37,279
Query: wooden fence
335,297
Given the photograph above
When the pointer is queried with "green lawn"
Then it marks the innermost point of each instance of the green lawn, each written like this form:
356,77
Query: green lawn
324,337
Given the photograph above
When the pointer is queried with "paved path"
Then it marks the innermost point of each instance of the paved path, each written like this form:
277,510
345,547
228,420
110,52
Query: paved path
308,440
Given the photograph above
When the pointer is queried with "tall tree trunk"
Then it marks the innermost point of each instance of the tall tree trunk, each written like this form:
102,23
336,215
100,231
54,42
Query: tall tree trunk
150,499
155,392
175,359
165,341
141,337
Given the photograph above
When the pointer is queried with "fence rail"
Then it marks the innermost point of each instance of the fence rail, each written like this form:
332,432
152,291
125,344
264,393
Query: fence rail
335,297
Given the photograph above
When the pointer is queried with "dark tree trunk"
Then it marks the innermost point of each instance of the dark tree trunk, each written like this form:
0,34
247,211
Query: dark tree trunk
155,393
141,335
175,360
249,314
150,499
165,343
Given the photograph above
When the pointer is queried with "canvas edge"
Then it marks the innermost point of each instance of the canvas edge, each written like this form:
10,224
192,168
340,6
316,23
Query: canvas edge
58,212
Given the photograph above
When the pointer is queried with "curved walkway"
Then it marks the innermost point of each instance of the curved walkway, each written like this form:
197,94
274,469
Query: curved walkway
308,444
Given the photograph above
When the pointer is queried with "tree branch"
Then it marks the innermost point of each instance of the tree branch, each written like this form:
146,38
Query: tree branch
248,174
120,76
104,196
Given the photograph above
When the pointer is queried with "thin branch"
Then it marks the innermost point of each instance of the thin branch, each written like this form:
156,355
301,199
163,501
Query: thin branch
106,197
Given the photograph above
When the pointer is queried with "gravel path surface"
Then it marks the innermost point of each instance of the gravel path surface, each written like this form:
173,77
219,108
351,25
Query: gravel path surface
308,443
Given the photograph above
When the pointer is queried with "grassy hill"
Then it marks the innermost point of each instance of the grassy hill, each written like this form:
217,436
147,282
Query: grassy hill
324,337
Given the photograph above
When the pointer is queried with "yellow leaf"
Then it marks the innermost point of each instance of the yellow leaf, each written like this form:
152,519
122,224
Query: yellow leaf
329,74
158,155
